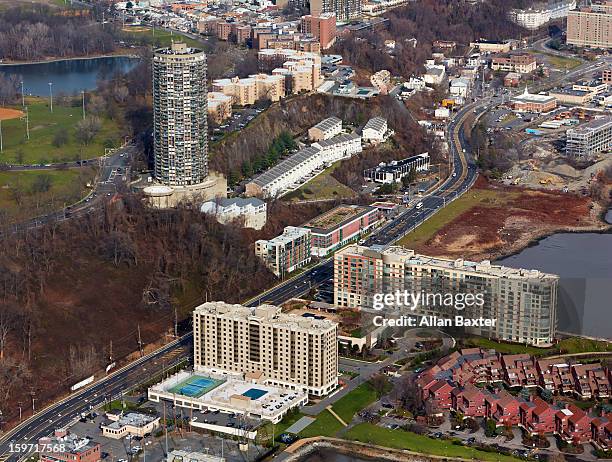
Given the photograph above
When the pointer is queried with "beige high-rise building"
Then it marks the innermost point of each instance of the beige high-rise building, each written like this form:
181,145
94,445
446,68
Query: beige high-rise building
591,26
345,10
287,350
523,303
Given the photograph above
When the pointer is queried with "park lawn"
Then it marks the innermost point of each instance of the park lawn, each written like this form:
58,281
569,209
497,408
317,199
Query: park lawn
158,37
560,62
66,187
572,345
472,198
44,124
354,401
400,439
323,186
325,425
582,345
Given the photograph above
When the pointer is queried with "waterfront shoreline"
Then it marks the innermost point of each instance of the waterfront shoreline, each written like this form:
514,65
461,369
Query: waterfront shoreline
121,54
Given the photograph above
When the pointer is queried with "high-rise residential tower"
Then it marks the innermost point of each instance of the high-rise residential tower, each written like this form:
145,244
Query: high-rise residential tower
179,116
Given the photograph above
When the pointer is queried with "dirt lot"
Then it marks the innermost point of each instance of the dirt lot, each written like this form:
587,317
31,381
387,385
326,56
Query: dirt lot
500,220
7,114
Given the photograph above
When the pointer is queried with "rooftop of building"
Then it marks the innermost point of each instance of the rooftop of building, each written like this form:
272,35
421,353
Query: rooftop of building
70,442
237,201
132,419
178,49
527,97
569,92
412,258
328,124
285,166
398,164
376,123
264,314
337,217
188,456
290,233
342,138
593,125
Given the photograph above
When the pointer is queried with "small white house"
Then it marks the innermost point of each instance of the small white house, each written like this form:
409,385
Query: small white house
252,211
375,130
442,113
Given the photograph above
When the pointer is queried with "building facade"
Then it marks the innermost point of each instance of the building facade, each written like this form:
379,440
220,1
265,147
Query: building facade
344,10
522,302
540,14
256,87
219,107
68,447
394,171
522,64
374,130
180,127
322,27
527,102
287,252
339,226
326,129
591,26
252,212
590,139
291,351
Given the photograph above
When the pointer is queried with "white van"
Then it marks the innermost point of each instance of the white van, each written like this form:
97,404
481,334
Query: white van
419,205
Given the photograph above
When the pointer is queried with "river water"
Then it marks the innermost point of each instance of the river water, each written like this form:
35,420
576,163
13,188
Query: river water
584,263
67,76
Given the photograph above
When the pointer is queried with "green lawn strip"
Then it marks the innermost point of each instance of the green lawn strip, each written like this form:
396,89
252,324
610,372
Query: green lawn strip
400,439
573,345
354,401
44,125
160,37
324,425
66,187
323,186
476,197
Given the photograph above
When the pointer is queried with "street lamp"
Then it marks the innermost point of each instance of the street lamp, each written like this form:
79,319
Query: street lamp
51,96
83,92
22,95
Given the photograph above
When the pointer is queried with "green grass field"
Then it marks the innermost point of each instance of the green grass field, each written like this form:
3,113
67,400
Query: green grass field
19,199
560,62
351,403
473,198
159,37
323,186
325,425
399,439
571,345
44,125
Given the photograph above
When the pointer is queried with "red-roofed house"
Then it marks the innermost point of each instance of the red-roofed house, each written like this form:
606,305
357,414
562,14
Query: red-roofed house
573,424
537,416
601,432
439,398
503,408
470,401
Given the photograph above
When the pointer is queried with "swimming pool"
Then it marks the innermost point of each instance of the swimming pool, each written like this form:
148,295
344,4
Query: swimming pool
195,386
254,393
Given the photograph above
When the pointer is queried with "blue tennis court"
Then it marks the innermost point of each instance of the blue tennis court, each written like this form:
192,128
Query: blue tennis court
195,386
254,393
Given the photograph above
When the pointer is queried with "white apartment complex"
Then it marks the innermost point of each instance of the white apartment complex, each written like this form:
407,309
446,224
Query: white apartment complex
326,129
292,171
523,303
252,212
252,89
301,69
375,130
590,139
290,351
540,14
287,252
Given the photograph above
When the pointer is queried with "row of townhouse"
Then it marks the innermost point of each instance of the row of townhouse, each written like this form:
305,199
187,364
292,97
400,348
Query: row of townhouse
477,366
536,416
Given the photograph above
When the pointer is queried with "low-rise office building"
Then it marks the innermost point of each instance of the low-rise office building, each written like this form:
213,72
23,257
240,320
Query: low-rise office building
520,305
326,129
520,63
571,96
251,212
590,139
527,102
375,130
287,252
132,423
394,171
339,226
492,46
295,352
68,447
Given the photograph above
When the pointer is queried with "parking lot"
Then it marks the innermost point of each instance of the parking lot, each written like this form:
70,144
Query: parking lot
240,119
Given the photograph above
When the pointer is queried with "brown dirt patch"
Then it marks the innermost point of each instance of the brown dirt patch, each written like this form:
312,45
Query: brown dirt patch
8,114
488,231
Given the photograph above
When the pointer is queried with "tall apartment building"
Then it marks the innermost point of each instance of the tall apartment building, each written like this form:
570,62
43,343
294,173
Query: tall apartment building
322,27
287,252
591,26
284,350
180,126
345,10
219,107
589,139
540,14
252,89
523,302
